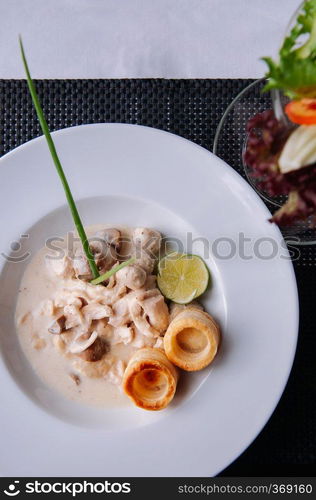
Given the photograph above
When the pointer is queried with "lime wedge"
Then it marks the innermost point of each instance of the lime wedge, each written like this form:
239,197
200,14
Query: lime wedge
182,277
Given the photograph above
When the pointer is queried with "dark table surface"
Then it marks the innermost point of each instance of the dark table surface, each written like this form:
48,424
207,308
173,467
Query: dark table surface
192,109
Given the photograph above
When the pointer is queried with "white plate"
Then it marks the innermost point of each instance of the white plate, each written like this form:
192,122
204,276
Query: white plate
140,176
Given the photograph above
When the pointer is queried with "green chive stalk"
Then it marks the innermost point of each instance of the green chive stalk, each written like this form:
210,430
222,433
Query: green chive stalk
51,145
112,271
97,279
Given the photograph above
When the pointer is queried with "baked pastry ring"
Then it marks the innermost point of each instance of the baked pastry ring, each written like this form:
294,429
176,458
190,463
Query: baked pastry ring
150,380
192,339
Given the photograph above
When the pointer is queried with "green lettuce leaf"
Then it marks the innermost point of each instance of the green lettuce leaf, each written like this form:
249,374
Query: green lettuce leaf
295,71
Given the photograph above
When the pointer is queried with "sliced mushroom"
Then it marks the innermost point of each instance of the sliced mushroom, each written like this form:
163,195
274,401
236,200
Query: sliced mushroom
133,277
144,260
68,297
83,301
90,349
96,351
58,325
78,346
111,236
104,254
147,239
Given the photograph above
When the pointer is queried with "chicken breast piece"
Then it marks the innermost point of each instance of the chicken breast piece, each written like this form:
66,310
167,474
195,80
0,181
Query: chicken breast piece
146,243
155,309
61,267
122,335
149,313
105,256
120,313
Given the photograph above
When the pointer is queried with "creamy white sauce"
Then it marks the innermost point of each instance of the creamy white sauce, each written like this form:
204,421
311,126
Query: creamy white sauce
37,288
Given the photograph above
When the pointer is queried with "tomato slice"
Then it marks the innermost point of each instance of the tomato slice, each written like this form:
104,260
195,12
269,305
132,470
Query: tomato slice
302,111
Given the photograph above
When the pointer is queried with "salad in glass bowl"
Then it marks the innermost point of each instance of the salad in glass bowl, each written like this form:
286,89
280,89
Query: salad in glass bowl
280,152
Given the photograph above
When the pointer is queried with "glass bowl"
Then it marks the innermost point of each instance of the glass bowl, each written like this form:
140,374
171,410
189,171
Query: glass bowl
230,142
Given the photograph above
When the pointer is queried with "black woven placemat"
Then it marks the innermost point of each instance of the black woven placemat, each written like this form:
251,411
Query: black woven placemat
192,109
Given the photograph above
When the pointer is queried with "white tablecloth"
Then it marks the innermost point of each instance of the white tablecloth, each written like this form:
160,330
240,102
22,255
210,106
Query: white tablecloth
141,38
